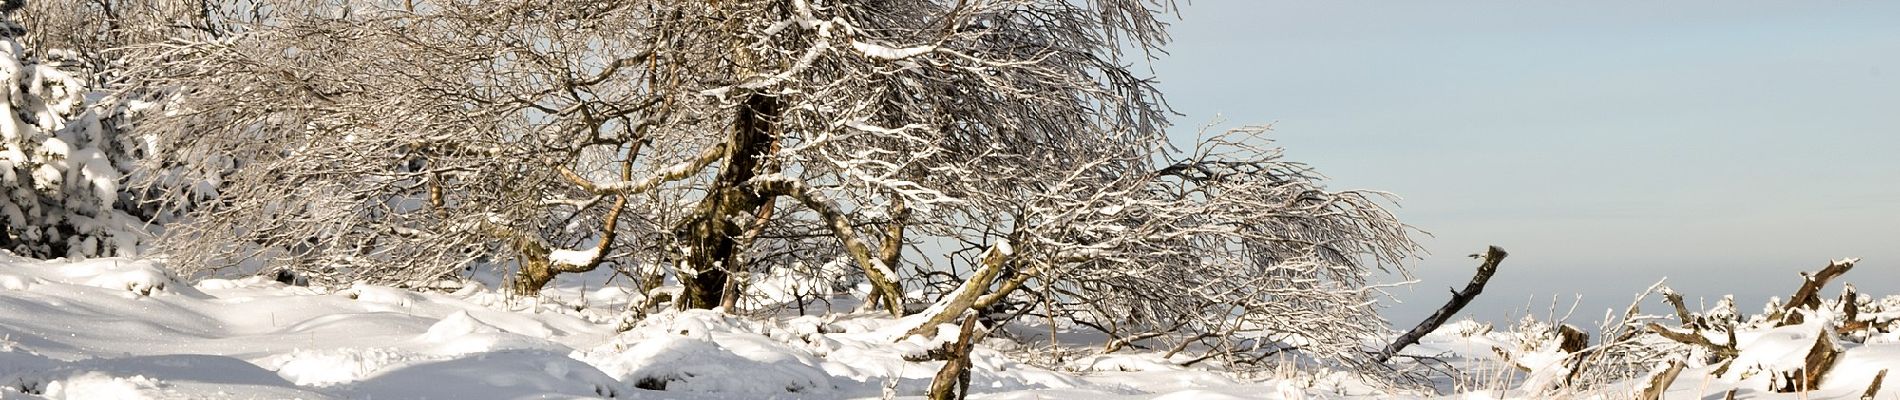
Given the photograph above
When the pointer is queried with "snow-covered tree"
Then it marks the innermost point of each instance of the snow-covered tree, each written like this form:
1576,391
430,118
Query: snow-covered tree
67,146
1006,143
64,156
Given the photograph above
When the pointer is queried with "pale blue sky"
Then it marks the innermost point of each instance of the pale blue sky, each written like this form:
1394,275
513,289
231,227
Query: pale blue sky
1605,144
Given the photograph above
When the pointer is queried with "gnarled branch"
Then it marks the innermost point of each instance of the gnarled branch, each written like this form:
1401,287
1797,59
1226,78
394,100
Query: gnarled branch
883,279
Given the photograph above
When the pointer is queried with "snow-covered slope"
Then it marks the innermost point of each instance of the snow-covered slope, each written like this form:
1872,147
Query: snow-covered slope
121,328
116,328
128,329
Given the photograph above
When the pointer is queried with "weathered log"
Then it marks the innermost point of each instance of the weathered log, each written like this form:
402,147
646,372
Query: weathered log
1492,256
1660,380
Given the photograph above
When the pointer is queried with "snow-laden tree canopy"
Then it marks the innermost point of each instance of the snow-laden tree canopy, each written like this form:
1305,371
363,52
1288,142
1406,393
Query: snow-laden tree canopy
63,159
1010,145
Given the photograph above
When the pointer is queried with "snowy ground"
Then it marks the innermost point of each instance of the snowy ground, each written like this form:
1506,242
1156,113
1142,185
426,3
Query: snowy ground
118,328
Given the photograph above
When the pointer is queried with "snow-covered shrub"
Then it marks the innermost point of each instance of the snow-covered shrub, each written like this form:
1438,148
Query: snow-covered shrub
64,156
1532,335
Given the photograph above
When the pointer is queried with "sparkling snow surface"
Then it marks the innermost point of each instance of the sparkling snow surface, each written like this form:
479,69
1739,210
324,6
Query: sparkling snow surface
128,329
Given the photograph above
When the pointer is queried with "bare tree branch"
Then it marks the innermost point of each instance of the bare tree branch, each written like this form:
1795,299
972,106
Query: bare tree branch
1492,256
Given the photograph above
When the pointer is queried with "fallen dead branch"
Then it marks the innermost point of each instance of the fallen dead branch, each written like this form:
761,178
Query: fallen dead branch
1695,338
1492,256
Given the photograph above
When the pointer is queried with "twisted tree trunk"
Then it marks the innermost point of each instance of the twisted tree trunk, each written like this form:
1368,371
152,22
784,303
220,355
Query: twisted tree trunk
711,236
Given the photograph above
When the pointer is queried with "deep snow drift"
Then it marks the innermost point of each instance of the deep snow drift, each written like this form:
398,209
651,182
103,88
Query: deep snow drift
122,328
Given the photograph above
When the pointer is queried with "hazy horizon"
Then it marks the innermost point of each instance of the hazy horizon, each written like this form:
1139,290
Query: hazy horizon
1606,145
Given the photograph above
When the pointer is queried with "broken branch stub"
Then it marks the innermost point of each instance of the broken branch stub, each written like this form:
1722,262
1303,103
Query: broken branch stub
1660,381
1815,366
1874,388
1809,294
952,382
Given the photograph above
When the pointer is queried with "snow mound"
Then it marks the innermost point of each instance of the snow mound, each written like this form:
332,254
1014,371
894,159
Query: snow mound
94,385
16,282
121,328
707,352
382,295
461,333
330,367
1127,362
455,326
252,282
499,375
1196,394
127,329
141,277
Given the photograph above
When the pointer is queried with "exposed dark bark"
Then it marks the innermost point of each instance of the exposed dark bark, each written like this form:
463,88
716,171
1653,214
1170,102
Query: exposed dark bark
1492,256
1682,311
711,235
1850,304
1572,339
1850,312
1874,388
1818,363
